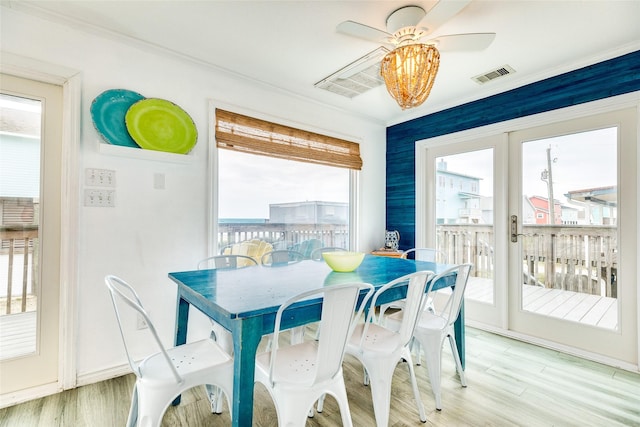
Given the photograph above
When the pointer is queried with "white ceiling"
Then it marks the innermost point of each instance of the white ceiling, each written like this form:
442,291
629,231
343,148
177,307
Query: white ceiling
290,45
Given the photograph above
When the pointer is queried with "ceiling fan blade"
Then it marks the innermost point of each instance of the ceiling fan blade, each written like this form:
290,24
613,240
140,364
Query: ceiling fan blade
441,13
363,31
463,42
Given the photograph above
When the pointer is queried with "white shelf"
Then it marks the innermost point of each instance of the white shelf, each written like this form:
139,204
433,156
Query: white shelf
139,153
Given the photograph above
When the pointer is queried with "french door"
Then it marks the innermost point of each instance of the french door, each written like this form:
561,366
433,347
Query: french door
548,216
573,235
30,187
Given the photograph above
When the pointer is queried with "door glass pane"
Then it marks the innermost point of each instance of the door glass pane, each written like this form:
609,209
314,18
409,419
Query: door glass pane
20,122
569,223
464,217
280,204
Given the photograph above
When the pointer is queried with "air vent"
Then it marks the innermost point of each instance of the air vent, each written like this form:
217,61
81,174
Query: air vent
493,74
357,77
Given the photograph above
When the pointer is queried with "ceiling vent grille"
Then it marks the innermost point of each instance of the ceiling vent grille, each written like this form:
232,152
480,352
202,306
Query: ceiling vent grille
505,70
357,77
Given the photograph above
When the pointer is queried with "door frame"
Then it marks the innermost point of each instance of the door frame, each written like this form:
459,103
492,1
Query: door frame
629,100
70,80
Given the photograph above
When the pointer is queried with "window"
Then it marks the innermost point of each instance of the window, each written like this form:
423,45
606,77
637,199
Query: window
281,187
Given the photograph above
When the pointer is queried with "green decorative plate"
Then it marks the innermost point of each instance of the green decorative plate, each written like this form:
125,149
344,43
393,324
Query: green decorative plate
157,124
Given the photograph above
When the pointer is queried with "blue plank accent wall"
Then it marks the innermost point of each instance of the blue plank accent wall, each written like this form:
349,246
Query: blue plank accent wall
609,78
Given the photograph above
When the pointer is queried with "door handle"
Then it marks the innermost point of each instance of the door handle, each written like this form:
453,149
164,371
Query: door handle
514,228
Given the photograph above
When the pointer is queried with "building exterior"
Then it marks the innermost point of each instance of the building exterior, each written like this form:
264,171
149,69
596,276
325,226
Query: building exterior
309,212
542,211
457,197
600,205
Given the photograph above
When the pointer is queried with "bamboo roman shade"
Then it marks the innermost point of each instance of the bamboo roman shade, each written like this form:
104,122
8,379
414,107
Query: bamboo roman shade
254,136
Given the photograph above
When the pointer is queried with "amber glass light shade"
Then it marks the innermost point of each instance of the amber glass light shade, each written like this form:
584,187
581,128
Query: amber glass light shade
409,72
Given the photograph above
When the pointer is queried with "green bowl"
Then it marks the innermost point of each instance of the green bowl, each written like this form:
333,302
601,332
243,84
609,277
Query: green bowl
343,262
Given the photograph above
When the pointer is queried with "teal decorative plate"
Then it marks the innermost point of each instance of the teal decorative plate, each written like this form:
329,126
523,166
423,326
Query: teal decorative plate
157,124
108,111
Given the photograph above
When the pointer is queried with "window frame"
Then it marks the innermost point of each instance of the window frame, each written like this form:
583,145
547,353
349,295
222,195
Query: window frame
214,182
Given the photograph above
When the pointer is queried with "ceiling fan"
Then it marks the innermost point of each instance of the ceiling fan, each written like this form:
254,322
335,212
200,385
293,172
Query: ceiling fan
409,70
412,24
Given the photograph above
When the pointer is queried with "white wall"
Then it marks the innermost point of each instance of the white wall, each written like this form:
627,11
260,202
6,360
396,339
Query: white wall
152,232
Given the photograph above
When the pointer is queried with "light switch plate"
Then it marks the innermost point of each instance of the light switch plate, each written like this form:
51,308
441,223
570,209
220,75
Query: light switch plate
99,177
100,198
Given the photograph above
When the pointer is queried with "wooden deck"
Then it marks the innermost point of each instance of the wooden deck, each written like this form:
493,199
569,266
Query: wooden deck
588,309
17,334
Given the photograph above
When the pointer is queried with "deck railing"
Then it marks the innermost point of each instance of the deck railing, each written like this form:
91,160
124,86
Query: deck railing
18,246
575,258
283,236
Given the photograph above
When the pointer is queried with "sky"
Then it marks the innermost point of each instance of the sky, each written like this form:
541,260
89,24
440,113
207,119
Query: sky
249,183
246,192
579,161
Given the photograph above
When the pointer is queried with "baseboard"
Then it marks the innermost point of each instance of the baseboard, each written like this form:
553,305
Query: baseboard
103,375
16,397
557,347
21,396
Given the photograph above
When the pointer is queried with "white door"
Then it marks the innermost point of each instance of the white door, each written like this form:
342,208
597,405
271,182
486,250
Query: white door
466,214
30,181
569,282
573,209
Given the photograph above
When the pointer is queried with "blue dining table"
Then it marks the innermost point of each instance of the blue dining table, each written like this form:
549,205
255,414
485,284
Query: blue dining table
245,301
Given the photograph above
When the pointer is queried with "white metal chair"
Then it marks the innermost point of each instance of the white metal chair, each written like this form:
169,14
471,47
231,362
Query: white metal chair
227,261
419,254
218,333
164,375
434,326
425,254
316,255
281,258
299,374
379,349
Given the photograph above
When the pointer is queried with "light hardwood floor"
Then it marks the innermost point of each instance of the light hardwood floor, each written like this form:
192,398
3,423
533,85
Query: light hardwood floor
510,383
